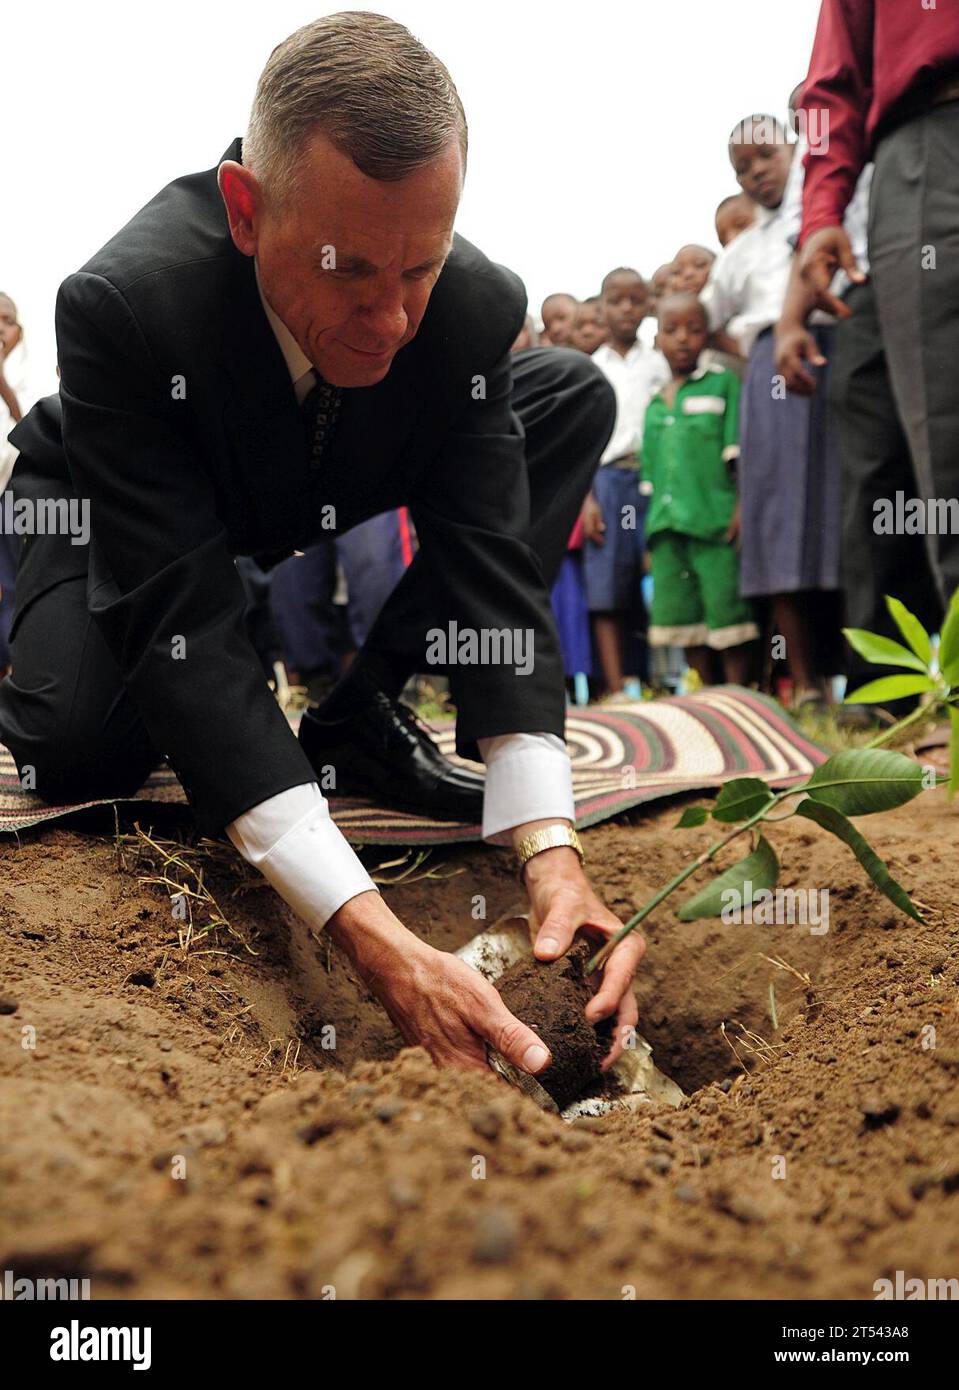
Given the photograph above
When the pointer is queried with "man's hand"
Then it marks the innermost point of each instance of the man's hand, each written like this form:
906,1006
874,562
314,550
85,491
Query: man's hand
594,527
435,1000
795,348
827,251
562,902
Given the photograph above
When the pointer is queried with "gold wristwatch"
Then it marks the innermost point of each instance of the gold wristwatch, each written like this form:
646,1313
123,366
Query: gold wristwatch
548,838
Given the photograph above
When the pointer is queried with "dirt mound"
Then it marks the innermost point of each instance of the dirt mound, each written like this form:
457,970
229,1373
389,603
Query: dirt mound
235,1118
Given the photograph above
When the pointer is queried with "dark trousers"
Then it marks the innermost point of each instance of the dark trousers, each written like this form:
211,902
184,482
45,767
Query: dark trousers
64,712
876,464
894,383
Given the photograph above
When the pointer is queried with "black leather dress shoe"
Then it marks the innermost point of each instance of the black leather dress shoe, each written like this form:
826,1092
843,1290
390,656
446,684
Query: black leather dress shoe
379,751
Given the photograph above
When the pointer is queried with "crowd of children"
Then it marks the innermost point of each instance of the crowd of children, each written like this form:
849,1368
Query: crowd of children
714,516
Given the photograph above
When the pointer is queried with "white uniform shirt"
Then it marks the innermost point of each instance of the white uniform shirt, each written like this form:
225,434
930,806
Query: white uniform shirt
294,843
635,378
749,278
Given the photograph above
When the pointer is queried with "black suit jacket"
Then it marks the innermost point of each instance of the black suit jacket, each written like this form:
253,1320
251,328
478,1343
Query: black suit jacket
178,487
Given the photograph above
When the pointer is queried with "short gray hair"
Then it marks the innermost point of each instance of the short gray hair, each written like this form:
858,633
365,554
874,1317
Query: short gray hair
364,82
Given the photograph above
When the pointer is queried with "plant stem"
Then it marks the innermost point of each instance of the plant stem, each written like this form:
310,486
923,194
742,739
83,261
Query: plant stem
603,954
920,712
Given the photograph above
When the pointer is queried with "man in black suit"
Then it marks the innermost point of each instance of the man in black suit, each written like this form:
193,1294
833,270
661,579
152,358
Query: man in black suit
272,350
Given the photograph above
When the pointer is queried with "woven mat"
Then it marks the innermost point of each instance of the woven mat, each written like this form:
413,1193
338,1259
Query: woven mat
622,756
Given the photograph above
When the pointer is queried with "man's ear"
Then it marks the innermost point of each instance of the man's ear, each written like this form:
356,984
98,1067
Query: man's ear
241,195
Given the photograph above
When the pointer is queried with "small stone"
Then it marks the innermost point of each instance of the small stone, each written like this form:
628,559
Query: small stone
496,1237
402,1194
387,1110
207,1134
746,1210
878,1113
685,1193
660,1162
487,1120
8,1006
574,1142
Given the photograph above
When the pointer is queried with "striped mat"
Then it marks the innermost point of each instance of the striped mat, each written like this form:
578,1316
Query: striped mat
622,756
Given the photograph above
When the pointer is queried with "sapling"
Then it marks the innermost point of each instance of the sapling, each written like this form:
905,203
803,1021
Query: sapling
934,676
854,782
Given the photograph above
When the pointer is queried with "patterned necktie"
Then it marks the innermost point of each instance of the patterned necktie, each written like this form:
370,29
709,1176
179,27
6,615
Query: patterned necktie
321,408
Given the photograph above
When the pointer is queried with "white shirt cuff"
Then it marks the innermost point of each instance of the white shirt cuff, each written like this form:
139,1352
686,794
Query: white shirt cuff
291,839
528,777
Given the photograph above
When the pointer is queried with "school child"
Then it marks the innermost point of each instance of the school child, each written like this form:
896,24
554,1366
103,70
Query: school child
589,326
735,214
557,312
613,554
691,269
690,446
789,470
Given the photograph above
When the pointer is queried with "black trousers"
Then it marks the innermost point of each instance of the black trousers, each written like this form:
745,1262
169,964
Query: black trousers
76,734
894,380
876,464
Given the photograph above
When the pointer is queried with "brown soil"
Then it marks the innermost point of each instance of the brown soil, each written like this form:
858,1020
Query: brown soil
551,998
236,1118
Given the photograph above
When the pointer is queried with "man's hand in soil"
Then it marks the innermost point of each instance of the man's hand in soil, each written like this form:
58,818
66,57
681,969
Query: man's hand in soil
563,902
435,1000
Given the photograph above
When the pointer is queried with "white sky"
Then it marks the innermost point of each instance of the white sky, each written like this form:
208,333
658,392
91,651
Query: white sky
597,130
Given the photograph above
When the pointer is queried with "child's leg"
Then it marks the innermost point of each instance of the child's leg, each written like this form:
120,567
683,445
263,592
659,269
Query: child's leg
606,579
729,616
700,660
608,636
739,663
676,618
792,624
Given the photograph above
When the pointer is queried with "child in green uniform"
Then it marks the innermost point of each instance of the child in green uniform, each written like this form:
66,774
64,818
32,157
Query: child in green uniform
691,443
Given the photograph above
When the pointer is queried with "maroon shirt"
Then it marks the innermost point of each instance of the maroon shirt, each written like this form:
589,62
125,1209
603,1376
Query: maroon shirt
871,60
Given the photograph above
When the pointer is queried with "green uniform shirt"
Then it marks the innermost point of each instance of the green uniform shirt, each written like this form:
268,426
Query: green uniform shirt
687,451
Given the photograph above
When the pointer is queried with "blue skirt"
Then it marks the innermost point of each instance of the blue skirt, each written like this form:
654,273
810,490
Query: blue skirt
572,616
789,481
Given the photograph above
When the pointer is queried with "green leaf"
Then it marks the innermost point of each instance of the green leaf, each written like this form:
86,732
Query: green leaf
761,869
953,753
890,688
831,819
741,798
693,815
917,638
949,642
860,781
881,651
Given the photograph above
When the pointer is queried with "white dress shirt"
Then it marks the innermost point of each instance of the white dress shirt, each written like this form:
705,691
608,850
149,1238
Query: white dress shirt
635,378
749,278
290,837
